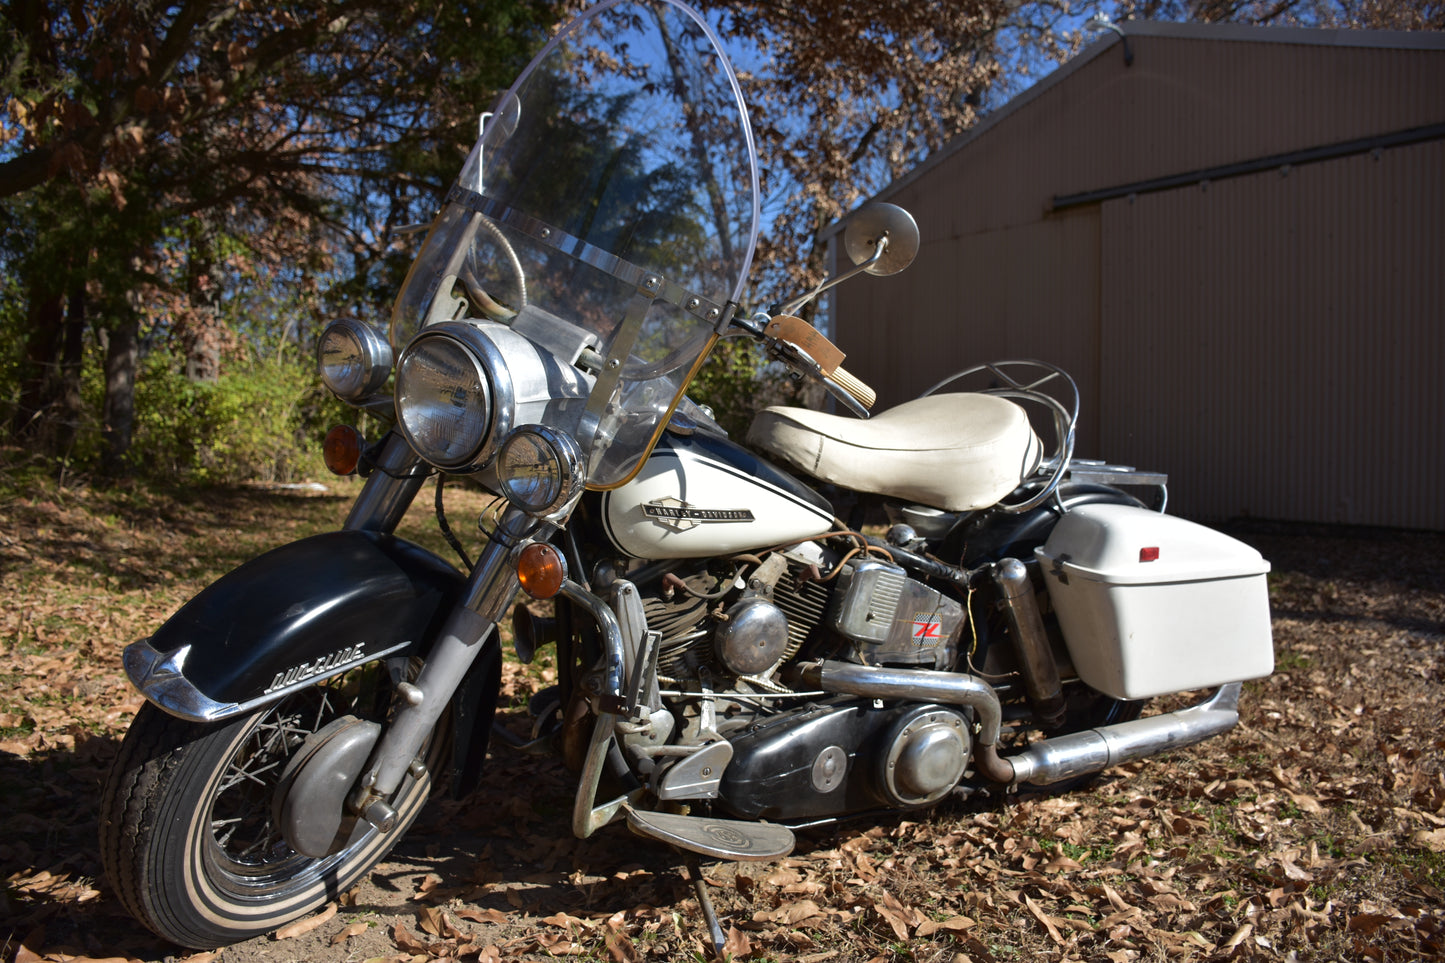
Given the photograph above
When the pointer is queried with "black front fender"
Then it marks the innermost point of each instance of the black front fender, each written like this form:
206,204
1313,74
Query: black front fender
290,618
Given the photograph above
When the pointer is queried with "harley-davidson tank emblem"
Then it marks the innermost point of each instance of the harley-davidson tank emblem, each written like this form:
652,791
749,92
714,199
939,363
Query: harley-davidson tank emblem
680,516
307,670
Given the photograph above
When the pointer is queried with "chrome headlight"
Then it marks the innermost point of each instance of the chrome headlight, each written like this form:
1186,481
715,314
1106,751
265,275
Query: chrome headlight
539,469
354,359
444,401
462,385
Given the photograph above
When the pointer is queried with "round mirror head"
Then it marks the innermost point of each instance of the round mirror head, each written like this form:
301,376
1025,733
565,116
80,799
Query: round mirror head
878,220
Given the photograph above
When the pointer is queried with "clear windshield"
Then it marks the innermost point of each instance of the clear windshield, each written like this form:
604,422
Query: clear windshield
614,189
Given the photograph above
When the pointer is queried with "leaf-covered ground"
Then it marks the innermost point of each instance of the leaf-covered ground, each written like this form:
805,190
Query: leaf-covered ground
1314,831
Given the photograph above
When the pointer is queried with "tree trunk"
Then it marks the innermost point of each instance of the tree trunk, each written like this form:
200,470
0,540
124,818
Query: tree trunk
122,358
202,330
71,406
48,412
42,361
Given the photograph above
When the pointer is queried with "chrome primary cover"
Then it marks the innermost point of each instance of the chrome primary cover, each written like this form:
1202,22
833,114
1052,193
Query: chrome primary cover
928,751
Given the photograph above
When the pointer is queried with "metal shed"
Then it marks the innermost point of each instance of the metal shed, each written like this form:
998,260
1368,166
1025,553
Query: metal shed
1235,244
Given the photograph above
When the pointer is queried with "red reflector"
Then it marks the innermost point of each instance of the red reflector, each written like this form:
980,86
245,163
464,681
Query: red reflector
1150,554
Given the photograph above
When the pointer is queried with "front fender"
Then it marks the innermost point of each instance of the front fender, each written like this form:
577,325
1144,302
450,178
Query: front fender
290,618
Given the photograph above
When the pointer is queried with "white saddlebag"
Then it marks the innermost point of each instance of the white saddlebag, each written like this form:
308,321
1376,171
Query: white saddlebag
1150,603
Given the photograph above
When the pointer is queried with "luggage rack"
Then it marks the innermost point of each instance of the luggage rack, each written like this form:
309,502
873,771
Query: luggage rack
1102,473
1025,380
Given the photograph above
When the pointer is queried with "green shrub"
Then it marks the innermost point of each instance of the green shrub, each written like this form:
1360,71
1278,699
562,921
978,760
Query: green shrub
261,420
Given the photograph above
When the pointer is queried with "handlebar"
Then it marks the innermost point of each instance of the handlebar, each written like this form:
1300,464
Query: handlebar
804,349
863,394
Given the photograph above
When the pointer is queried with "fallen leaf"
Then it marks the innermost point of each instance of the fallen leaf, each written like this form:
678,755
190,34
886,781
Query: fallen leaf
1368,923
790,914
1433,840
355,929
1043,918
1171,903
302,927
492,916
1240,935
429,918
404,939
954,924
1294,872
737,945
1308,804
1115,900
619,945
782,877
902,918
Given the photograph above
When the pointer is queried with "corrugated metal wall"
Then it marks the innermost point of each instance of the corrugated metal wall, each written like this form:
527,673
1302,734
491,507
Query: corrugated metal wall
1286,358
1271,341
1029,291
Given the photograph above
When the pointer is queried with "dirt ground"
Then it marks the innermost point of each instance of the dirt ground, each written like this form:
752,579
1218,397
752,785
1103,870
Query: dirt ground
1314,831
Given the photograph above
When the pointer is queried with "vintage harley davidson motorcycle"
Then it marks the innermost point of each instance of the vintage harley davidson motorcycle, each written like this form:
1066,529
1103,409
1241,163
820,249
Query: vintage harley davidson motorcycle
734,661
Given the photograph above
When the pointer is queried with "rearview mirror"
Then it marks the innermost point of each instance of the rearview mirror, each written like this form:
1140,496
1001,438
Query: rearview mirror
876,222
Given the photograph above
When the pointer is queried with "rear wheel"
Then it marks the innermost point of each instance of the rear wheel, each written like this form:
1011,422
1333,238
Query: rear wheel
1088,709
187,832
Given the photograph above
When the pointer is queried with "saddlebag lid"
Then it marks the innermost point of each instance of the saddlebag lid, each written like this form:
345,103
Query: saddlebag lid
1125,545
1151,604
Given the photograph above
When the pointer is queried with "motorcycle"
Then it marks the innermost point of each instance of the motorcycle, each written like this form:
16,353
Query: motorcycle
734,661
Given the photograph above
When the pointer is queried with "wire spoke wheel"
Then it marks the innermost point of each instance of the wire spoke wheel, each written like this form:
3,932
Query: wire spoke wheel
189,832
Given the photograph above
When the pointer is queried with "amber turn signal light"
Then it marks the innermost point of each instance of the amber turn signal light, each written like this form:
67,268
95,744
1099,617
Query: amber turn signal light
342,449
541,570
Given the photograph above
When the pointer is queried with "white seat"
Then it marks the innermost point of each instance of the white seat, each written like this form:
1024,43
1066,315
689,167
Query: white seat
957,452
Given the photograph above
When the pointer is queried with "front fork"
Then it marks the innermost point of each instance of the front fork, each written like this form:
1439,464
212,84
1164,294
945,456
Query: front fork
490,590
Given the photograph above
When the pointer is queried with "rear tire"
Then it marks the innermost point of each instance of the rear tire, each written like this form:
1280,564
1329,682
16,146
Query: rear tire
187,834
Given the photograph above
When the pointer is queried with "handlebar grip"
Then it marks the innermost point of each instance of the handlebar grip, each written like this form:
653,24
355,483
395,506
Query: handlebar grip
863,394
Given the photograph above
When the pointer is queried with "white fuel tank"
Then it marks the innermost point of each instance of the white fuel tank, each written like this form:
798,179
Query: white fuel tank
700,495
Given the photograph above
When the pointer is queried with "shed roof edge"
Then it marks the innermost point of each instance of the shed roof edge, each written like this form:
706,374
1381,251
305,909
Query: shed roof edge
1228,32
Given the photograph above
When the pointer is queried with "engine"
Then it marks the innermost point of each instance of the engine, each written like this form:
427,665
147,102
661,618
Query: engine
753,624
727,640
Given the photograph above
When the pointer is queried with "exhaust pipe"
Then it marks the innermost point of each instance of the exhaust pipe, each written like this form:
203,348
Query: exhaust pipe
1031,642
920,685
1084,753
1052,760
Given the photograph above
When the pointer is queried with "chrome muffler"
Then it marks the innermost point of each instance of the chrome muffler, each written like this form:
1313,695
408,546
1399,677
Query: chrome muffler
1051,760
1094,750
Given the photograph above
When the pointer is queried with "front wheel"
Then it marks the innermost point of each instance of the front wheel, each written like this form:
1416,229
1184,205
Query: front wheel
187,833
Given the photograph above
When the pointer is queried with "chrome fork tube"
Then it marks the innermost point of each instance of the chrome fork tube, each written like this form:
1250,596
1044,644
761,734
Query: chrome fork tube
490,590
395,479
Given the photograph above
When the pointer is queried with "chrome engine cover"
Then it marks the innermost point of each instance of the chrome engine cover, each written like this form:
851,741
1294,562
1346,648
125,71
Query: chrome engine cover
753,638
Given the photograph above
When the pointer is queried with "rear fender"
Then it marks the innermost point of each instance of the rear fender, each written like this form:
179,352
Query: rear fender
989,536
291,618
